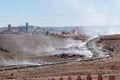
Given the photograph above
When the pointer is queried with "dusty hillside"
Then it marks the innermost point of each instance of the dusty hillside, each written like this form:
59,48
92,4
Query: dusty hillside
30,44
28,49
111,43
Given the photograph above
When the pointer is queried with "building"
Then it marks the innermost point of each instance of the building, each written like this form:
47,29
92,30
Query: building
9,27
27,27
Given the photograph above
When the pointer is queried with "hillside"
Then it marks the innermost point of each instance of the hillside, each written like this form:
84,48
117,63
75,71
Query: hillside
30,44
111,43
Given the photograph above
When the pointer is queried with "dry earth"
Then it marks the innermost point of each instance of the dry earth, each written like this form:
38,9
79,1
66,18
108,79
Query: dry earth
106,66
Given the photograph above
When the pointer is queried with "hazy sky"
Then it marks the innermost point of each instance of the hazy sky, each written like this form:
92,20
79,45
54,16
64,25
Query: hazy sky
60,12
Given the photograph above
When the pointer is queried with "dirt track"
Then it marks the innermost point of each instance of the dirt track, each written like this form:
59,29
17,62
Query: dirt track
92,46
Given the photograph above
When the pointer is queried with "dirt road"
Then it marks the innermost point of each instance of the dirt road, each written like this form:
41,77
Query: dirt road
94,48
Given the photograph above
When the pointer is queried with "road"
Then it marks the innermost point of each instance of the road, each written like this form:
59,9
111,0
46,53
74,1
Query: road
93,47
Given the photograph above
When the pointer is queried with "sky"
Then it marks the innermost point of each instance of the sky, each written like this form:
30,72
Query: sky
60,12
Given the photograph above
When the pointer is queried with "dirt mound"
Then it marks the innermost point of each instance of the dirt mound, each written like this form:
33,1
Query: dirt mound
110,37
111,43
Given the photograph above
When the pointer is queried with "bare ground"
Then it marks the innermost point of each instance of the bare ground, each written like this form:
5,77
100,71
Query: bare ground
105,66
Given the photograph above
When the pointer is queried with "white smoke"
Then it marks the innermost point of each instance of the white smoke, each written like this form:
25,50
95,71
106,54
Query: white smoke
74,47
95,31
18,62
87,12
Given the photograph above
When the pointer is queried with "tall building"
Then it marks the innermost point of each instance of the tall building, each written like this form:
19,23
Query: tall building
27,27
9,27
